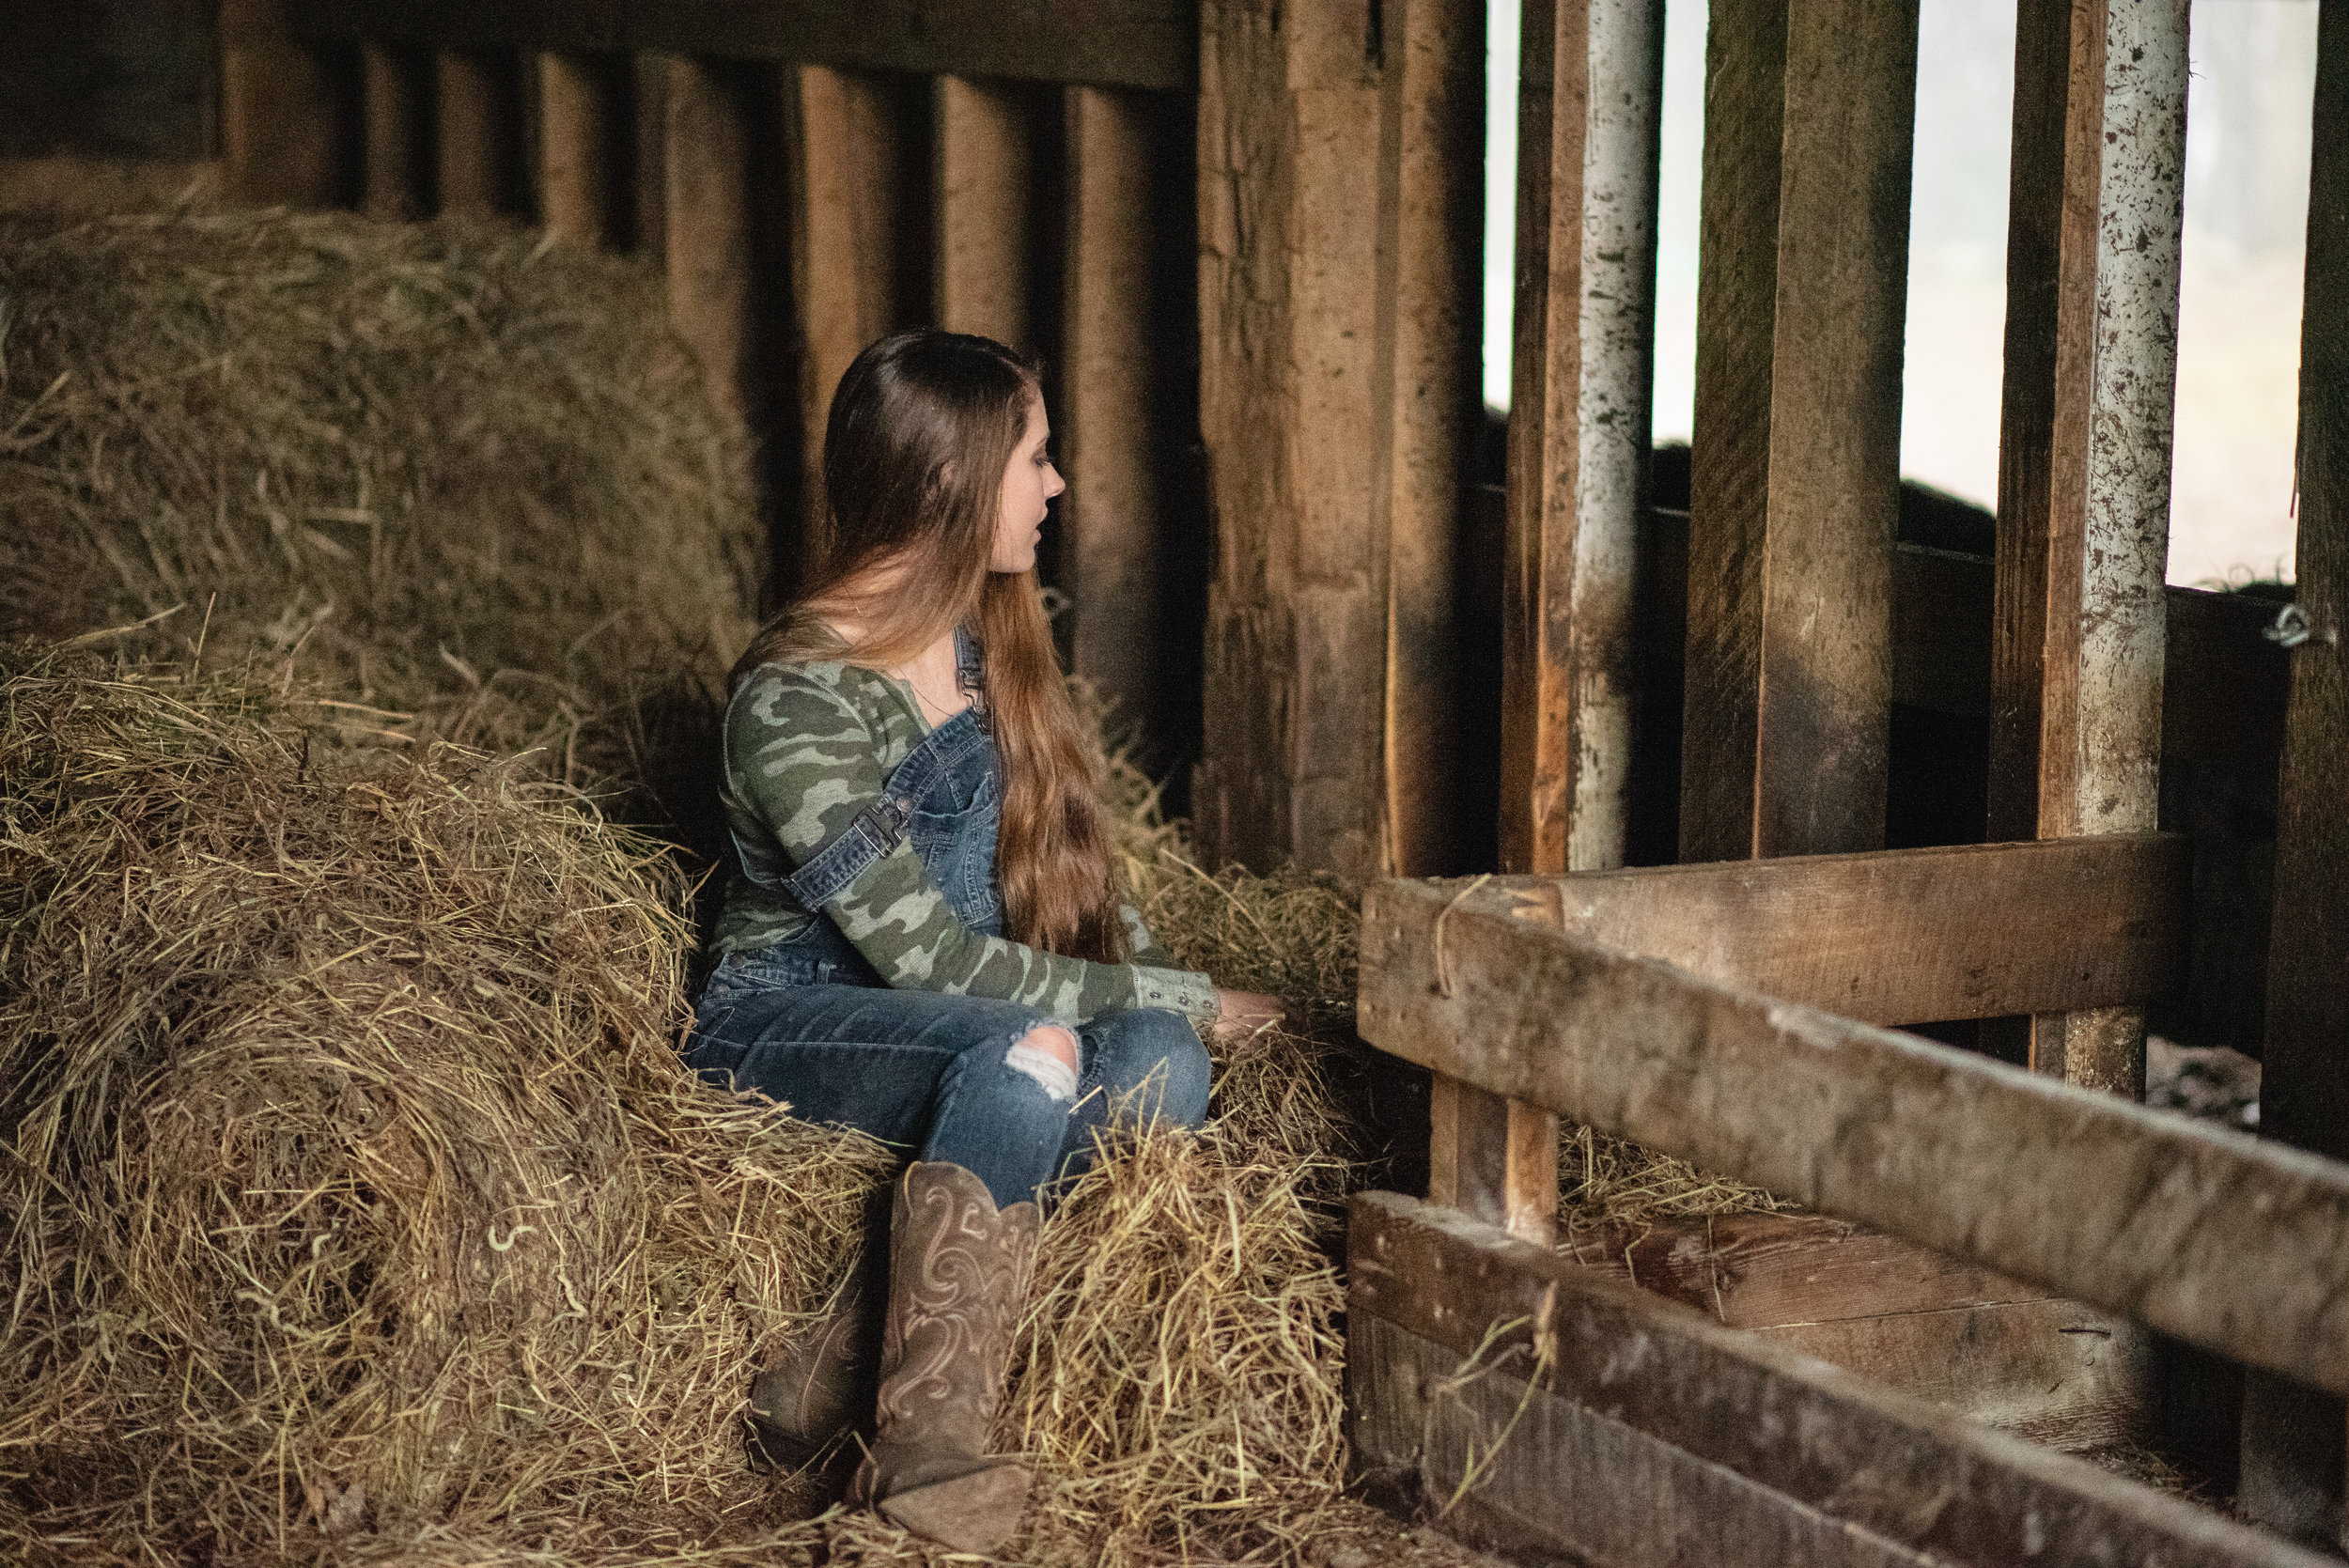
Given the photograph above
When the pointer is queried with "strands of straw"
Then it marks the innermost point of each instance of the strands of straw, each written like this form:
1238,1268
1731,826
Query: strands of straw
464,480
353,1183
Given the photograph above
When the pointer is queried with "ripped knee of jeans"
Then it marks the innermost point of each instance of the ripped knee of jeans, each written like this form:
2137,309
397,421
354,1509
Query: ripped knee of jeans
1048,1054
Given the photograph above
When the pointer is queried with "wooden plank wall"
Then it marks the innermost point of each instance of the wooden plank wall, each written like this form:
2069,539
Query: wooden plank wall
815,176
1338,331
2293,1436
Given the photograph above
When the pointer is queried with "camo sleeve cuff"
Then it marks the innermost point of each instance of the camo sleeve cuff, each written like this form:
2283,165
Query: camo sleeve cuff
1178,989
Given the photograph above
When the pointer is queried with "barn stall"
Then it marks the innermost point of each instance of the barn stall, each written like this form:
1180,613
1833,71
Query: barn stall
1724,683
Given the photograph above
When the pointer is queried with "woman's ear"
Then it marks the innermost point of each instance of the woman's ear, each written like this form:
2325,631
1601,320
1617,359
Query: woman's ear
942,479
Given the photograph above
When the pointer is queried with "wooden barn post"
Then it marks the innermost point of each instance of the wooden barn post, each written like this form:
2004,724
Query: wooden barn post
1338,344
282,126
706,203
1117,517
982,161
853,221
1802,298
2292,1435
394,95
2084,451
477,146
1589,117
580,148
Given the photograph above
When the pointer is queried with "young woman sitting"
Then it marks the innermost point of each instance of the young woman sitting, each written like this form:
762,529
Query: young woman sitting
925,940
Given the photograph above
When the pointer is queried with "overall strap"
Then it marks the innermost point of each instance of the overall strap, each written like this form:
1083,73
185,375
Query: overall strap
875,829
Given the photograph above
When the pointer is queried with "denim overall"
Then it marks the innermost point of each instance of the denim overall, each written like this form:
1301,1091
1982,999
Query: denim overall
811,1023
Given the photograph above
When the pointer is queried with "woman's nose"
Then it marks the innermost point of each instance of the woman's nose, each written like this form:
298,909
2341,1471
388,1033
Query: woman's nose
1053,486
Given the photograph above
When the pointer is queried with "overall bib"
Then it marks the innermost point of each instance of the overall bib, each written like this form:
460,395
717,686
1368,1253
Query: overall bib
809,1022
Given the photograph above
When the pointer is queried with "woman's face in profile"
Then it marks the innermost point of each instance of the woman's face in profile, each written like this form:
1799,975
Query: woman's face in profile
1030,481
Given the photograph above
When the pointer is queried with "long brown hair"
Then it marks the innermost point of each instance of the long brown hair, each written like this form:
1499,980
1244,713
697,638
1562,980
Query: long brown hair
922,429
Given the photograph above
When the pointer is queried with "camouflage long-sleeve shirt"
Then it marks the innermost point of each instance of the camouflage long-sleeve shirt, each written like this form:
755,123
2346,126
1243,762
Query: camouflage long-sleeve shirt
807,747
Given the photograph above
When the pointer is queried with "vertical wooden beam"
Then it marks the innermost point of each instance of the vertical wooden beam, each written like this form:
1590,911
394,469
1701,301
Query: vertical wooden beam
1589,113
1427,391
648,79
710,231
853,220
983,155
2293,1436
580,148
1494,1159
1304,368
1114,519
394,99
478,143
2092,347
282,124
1794,480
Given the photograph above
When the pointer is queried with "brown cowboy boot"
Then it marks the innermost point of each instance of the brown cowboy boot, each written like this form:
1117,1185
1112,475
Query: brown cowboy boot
821,1388
958,1278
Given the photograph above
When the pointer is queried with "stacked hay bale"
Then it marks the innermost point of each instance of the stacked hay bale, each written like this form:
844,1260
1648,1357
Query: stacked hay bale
464,480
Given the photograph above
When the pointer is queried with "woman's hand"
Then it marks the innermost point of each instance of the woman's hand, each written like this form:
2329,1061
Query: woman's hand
1241,1014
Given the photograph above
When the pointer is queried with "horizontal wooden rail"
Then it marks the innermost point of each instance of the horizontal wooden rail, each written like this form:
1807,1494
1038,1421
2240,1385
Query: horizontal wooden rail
1615,1426
1906,936
2238,1246
1102,43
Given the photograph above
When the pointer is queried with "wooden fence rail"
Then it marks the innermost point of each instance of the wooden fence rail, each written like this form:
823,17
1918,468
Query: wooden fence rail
2231,1243
1552,1411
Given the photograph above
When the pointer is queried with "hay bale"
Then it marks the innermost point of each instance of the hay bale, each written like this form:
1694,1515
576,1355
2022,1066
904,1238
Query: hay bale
451,472
353,1183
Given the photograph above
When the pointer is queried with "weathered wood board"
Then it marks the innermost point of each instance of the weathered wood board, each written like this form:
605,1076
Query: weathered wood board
1802,288
1589,110
1568,1417
2293,1440
2093,258
2233,1244
1336,298
1131,43
1905,936
1993,1349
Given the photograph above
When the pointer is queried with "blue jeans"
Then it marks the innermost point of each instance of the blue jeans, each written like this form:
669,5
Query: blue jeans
926,1071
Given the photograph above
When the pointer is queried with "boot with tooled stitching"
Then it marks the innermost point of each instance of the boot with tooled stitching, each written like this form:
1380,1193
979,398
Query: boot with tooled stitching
958,1278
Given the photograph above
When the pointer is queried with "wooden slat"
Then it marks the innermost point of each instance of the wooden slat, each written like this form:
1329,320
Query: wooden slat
1120,43
1801,293
2292,1447
583,149
983,152
1908,936
1493,1159
282,127
708,243
478,146
2236,1244
2098,187
1589,108
1995,1349
1307,381
857,237
393,92
1427,386
1622,1428
1117,526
